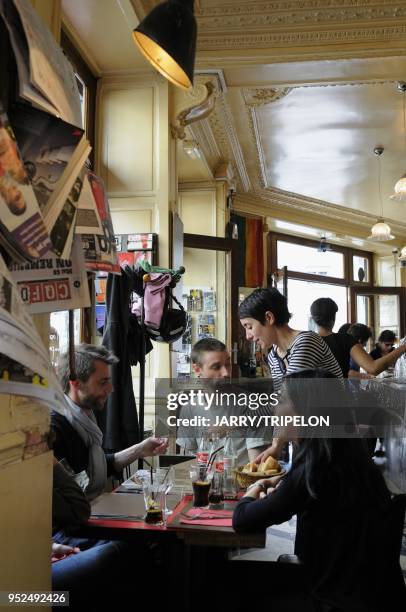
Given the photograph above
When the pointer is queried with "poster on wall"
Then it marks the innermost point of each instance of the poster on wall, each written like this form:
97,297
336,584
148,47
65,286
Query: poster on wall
51,283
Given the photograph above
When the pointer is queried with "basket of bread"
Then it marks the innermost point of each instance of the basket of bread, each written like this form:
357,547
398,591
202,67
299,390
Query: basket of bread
251,472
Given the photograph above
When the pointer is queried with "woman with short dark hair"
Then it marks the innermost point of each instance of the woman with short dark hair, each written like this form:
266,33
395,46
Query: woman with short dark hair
265,317
264,314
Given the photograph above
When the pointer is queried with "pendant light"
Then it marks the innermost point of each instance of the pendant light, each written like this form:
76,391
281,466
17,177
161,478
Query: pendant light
400,187
381,231
167,38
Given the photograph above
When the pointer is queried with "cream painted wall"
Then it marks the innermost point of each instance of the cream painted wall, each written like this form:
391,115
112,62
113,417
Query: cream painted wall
198,211
202,210
133,156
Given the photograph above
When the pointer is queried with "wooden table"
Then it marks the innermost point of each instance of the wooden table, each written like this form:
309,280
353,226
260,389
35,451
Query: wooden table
194,554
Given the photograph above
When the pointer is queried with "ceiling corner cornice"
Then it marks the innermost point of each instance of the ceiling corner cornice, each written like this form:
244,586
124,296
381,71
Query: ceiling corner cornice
223,129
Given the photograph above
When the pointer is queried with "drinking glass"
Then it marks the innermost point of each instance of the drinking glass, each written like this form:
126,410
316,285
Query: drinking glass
216,496
153,486
201,482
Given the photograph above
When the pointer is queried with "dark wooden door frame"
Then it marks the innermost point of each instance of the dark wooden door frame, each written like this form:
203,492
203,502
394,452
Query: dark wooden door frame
227,245
372,291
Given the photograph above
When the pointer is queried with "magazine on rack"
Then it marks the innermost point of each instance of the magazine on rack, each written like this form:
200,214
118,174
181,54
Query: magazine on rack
25,367
46,79
100,251
54,153
65,226
22,230
87,218
52,283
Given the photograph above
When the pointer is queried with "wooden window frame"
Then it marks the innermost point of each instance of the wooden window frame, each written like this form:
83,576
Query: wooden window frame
347,252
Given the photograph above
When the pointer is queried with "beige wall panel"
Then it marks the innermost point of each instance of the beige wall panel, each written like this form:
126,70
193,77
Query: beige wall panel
131,221
26,524
201,268
197,209
128,157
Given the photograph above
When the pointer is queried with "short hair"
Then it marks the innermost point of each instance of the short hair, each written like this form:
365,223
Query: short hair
206,345
344,328
262,300
387,335
85,357
360,332
324,312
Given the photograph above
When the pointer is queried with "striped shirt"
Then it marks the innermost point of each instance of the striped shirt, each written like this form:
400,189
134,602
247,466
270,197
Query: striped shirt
308,352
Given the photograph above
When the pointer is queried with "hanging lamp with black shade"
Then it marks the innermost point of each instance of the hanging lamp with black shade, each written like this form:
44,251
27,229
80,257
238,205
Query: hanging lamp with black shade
167,38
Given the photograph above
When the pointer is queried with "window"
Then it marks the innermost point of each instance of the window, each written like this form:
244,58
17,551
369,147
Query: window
360,269
309,260
301,295
309,268
59,333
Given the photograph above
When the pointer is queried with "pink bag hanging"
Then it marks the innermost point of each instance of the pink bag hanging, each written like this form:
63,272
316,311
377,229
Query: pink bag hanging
154,298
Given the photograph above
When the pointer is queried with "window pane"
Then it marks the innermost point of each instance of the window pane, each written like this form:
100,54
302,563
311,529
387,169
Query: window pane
59,333
387,314
300,258
363,310
301,295
360,269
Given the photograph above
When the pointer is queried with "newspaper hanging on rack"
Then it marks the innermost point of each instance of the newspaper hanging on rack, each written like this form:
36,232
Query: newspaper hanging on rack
22,229
25,367
51,283
100,250
45,76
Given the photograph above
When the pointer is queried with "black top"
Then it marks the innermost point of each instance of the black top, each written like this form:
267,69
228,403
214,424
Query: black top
341,539
70,507
376,353
69,445
340,345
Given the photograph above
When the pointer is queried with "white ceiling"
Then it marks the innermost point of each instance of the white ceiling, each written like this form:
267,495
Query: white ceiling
318,141
104,28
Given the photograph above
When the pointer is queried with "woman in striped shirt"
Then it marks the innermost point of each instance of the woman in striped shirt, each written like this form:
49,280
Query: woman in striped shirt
265,316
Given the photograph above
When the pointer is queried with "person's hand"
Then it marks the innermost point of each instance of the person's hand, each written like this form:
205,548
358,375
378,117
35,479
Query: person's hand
268,452
60,550
153,446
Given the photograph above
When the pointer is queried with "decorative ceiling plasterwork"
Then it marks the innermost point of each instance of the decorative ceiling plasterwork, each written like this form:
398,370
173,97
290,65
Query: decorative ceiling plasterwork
264,95
286,201
224,25
221,125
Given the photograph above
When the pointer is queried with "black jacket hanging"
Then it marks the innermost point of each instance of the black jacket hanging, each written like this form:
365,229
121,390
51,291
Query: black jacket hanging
119,419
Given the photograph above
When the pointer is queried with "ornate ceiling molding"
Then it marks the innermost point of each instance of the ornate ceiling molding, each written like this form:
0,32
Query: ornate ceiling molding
223,129
264,95
286,201
224,41
192,106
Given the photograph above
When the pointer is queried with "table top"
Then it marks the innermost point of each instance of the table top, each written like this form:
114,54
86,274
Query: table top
199,535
